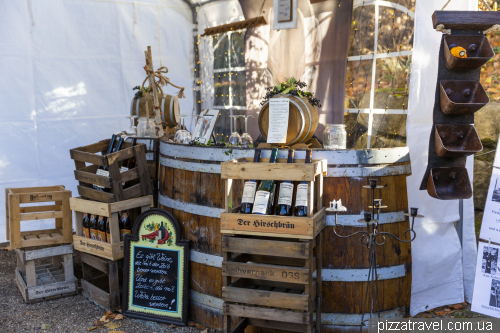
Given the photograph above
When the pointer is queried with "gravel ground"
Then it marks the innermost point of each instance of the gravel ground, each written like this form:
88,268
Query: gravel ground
67,314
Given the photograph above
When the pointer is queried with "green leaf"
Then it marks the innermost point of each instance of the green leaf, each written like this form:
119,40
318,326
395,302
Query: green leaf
278,87
292,85
286,91
209,142
307,94
300,93
292,80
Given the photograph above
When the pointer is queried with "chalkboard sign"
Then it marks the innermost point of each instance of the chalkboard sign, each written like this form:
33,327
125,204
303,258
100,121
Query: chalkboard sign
156,270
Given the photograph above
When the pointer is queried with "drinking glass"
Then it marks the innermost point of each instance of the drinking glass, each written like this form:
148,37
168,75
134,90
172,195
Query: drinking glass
246,139
132,130
145,129
235,138
182,136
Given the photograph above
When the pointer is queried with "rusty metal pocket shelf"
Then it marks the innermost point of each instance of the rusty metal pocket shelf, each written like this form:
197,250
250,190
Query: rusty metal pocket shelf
454,140
462,97
478,50
449,183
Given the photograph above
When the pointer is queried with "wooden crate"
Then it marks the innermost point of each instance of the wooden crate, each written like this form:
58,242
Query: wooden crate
232,222
113,250
102,290
87,177
277,292
59,210
152,158
44,282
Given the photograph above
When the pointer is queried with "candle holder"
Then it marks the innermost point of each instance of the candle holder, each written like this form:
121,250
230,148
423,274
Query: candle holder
372,238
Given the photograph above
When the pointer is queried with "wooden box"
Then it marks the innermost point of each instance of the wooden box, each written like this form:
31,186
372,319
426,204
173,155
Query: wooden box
270,283
113,250
232,222
21,205
152,158
44,282
87,177
102,290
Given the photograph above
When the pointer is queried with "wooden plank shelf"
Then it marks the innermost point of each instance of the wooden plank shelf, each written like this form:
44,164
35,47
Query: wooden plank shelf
87,177
49,281
22,205
113,250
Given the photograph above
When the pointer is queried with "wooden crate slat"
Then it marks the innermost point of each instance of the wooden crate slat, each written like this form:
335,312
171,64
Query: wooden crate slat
93,148
98,248
89,158
273,324
131,203
92,178
89,206
268,314
275,298
241,169
52,239
40,189
37,209
95,294
41,216
90,193
47,252
265,272
265,247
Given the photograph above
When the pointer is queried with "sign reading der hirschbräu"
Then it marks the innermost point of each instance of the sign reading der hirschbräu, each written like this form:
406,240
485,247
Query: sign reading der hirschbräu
156,269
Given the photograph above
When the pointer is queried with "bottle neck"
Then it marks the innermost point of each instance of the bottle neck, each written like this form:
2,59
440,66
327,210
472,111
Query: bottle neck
291,153
111,143
256,156
274,154
119,145
308,155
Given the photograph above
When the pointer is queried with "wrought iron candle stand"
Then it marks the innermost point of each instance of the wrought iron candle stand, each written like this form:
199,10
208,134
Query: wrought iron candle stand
373,238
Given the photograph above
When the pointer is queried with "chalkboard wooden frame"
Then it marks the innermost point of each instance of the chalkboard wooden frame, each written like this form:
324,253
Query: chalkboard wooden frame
134,237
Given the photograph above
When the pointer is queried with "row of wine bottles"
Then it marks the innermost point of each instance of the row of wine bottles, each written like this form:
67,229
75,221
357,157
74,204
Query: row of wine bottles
260,198
97,226
125,165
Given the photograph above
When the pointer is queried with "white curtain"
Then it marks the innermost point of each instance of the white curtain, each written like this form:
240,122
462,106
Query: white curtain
211,15
67,69
443,269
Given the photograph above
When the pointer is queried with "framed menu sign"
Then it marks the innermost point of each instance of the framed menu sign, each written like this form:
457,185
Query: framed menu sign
155,269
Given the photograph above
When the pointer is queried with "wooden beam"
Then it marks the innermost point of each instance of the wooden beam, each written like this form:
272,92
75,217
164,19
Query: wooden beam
465,20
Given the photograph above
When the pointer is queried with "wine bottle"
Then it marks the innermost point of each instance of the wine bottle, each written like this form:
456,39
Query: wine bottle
249,190
125,225
93,226
86,225
264,198
302,189
108,232
101,228
286,192
103,170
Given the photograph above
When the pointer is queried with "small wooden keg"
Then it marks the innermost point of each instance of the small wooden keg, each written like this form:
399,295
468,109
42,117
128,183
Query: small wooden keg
169,105
302,119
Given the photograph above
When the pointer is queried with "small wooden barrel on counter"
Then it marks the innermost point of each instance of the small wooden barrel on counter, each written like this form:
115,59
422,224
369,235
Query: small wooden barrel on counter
191,188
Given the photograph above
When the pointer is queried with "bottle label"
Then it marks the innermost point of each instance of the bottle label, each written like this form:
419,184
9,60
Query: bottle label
101,236
105,173
124,232
301,199
108,237
93,234
249,192
286,193
260,203
86,232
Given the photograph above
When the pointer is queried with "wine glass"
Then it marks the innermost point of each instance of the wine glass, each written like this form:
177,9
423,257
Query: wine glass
132,130
246,138
235,138
182,136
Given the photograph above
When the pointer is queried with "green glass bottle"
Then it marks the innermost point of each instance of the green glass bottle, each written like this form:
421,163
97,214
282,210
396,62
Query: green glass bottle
285,195
302,191
264,198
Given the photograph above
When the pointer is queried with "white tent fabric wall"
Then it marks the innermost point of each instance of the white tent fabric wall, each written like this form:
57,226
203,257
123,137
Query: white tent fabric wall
443,270
67,72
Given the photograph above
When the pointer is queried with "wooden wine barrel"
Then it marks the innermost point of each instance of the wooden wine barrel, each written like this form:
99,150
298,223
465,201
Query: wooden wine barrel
191,188
169,105
302,119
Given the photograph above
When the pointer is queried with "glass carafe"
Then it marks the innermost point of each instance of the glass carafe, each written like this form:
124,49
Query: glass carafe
334,136
145,128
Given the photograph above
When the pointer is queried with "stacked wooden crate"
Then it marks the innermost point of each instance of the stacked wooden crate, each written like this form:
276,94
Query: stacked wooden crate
123,191
269,261
45,281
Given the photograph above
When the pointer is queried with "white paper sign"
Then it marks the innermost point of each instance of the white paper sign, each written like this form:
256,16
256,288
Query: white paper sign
278,120
490,228
284,10
486,298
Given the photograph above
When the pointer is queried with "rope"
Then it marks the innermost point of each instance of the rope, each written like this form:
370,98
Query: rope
491,151
496,27
440,28
446,4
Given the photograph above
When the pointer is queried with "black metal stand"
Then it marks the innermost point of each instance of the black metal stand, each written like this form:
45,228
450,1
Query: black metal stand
373,238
